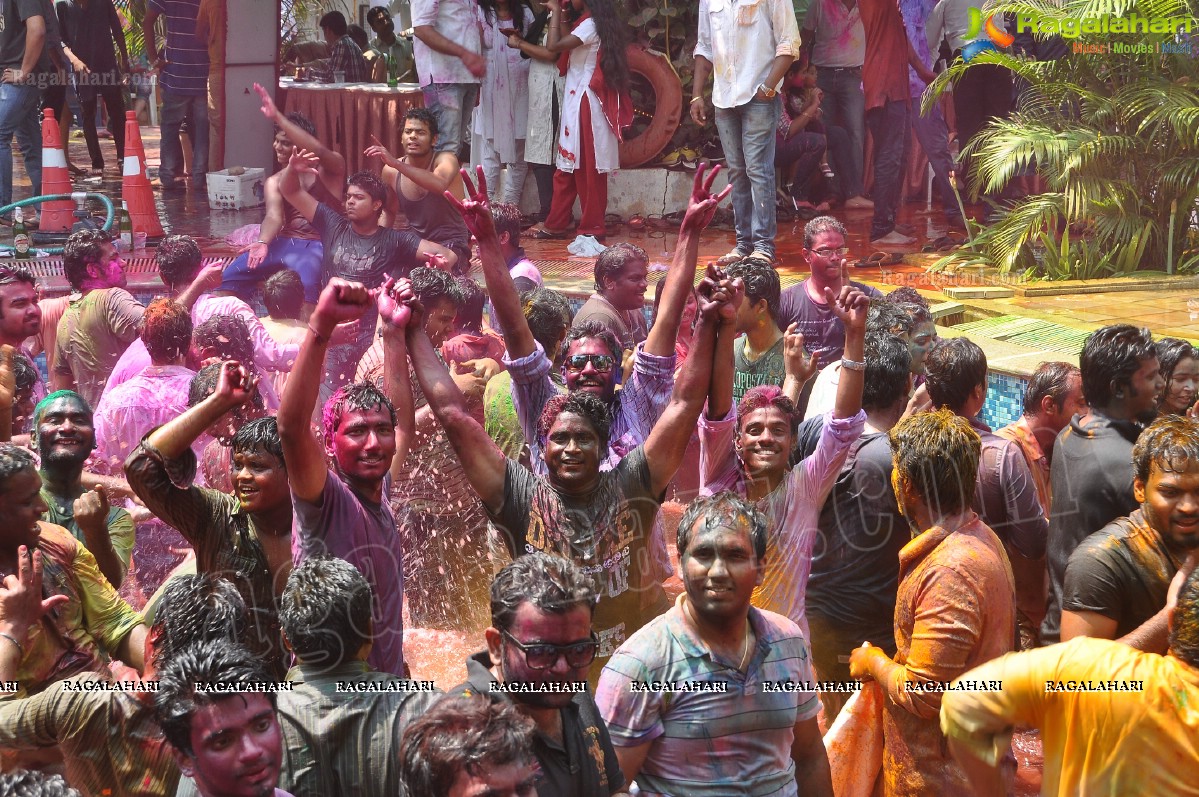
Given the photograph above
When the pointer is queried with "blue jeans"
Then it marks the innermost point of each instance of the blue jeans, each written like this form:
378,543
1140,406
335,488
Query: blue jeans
844,106
747,134
300,255
933,135
453,104
888,127
177,108
19,116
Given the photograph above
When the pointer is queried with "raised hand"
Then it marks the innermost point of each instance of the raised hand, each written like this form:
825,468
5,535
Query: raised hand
797,362
476,208
392,298
235,384
91,512
377,150
342,300
719,296
8,376
850,306
702,206
210,276
256,253
21,603
269,109
303,161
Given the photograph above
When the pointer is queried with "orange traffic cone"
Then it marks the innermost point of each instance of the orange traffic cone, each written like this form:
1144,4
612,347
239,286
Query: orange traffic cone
135,185
57,216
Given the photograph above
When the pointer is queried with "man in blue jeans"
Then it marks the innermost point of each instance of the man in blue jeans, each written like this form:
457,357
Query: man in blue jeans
747,54
448,51
184,80
22,42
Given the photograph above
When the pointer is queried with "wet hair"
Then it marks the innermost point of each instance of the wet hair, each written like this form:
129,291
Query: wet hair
369,182
40,409
225,336
762,396
356,396
908,295
583,404
14,461
179,260
954,368
325,611
32,783
197,608
421,114
821,224
722,510
11,275
186,677
892,319
1171,443
1171,352
470,305
888,370
462,734
1110,356
166,329
614,36
358,36
283,294
82,249
612,262
26,377
1184,630
507,220
260,434
761,283
301,121
592,328
937,453
335,21
548,314
550,583
1050,379
432,286
204,384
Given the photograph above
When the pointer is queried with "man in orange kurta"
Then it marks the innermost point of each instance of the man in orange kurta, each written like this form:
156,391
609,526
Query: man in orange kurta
956,606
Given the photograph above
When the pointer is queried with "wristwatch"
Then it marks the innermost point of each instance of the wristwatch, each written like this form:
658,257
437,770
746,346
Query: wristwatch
767,92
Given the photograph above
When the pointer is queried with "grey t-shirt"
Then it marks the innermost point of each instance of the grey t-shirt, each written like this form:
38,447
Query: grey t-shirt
12,29
823,333
766,370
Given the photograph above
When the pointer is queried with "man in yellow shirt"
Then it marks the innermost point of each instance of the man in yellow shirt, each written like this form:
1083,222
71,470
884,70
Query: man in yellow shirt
1114,720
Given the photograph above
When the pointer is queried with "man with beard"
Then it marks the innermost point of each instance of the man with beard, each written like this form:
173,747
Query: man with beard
689,700
20,315
1119,576
1091,475
540,643
244,537
65,437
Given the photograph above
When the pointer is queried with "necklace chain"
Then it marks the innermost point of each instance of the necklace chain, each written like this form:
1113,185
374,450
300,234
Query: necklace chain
745,645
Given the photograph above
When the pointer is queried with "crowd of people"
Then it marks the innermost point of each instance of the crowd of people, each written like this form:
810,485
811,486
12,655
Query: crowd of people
220,519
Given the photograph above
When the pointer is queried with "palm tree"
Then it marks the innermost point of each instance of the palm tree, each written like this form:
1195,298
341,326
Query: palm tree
1115,137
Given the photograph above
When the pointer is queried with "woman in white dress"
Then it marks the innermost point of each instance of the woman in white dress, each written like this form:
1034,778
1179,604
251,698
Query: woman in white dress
501,120
595,107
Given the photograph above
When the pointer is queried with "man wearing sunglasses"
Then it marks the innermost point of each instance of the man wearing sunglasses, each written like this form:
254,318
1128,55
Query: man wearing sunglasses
539,646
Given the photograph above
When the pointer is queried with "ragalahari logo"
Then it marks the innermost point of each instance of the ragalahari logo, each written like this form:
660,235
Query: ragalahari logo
995,37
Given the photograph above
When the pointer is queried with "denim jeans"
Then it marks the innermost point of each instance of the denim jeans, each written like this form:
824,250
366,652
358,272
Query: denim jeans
300,255
844,106
19,116
176,108
747,134
453,104
933,135
888,127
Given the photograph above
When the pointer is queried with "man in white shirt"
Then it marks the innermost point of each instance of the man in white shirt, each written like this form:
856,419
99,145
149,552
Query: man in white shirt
747,49
449,60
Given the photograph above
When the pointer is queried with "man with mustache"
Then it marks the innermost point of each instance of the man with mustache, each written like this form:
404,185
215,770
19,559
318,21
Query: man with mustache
1117,579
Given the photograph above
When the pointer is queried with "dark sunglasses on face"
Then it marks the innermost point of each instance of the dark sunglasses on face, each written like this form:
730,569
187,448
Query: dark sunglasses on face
602,362
542,655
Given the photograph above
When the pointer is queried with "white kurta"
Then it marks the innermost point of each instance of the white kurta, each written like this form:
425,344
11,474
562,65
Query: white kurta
541,143
578,81
503,112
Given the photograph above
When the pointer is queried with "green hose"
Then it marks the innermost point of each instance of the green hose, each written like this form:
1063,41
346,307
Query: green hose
109,212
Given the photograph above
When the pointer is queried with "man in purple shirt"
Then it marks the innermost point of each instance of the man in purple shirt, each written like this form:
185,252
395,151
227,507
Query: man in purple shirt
1006,494
344,511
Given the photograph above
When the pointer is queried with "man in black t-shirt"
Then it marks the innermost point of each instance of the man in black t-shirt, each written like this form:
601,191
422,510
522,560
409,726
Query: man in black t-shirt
357,249
1118,577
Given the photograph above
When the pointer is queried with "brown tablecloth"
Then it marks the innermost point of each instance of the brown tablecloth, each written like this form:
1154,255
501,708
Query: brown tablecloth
347,115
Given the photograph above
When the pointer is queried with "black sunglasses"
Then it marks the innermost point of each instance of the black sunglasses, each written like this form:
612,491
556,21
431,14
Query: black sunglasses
602,362
542,655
